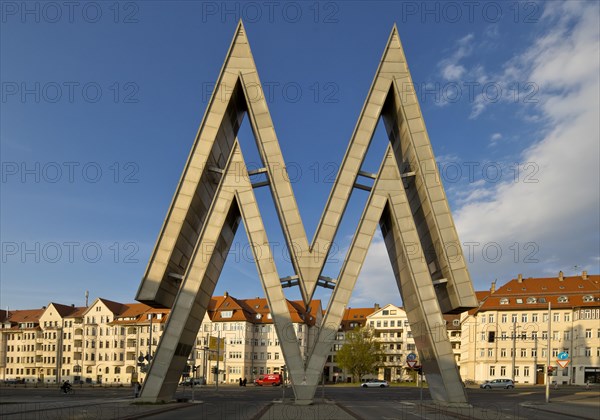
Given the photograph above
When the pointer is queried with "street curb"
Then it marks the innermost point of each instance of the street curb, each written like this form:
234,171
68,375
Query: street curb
348,411
537,407
262,412
158,411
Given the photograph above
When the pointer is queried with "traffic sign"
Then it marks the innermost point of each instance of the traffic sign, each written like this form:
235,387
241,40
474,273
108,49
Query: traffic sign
563,356
411,356
411,363
563,363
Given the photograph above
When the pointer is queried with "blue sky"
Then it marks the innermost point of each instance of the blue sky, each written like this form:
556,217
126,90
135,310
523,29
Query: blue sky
101,103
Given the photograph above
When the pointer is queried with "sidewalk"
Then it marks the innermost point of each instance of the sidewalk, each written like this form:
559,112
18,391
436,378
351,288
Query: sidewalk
111,409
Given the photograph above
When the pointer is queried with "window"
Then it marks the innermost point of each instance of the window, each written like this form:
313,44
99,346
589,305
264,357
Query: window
386,312
563,299
544,335
519,300
588,351
523,317
483,319
516,370
502,370
555,317
545,317
503,354
588,298
533,352
554,352
531,300
567,317
226,314
588,333
534,317
455,322
492,370
504,317
504,301
491,318
567,335
490,352
523,352
514,317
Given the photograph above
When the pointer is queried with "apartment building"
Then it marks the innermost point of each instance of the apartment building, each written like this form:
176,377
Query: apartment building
391,328
111,343
513,332
507,336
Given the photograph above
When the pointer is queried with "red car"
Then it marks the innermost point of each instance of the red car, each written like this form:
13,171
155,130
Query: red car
273,379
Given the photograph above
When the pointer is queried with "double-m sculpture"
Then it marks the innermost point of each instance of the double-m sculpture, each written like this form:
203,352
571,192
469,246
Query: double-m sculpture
216,192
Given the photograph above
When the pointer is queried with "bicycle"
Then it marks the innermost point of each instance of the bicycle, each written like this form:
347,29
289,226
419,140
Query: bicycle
68,390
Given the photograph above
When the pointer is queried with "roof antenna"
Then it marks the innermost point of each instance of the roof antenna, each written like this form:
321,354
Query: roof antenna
87,295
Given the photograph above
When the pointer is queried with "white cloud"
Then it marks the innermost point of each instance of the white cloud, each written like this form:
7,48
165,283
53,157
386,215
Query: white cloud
547,219
450,67
376,283
559,213
495,138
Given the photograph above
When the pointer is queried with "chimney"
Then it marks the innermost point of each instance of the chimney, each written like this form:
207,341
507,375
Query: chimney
520,278
493,288
560,276
226,294
72,305
87,295
584,275
376,306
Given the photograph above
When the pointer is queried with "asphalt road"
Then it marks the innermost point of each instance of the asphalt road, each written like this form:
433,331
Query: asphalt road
244,403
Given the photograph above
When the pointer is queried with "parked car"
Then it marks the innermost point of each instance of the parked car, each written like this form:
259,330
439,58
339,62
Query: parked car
273,379
498,383
375,383
14,381
189,382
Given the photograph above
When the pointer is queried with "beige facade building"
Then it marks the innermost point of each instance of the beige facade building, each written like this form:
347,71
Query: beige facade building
512,332
391,328
102,343
109,342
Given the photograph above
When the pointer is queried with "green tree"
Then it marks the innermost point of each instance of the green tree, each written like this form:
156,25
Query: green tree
361,354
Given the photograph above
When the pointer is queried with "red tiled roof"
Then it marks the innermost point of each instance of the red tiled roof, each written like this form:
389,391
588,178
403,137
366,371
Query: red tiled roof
574,288
115,307
24,315
65,310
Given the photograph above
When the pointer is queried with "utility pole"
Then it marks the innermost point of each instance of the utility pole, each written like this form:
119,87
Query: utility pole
548,351
218,355
514,348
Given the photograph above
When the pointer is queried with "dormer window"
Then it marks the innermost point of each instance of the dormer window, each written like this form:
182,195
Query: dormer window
519,300
542,300
563,299
504,301
531,300
226,314
588,298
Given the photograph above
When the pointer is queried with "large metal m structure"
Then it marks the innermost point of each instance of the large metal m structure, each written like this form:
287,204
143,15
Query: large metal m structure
216,193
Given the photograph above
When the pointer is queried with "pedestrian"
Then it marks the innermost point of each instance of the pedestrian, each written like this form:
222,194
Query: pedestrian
137,387
241,382
244,382
587,385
